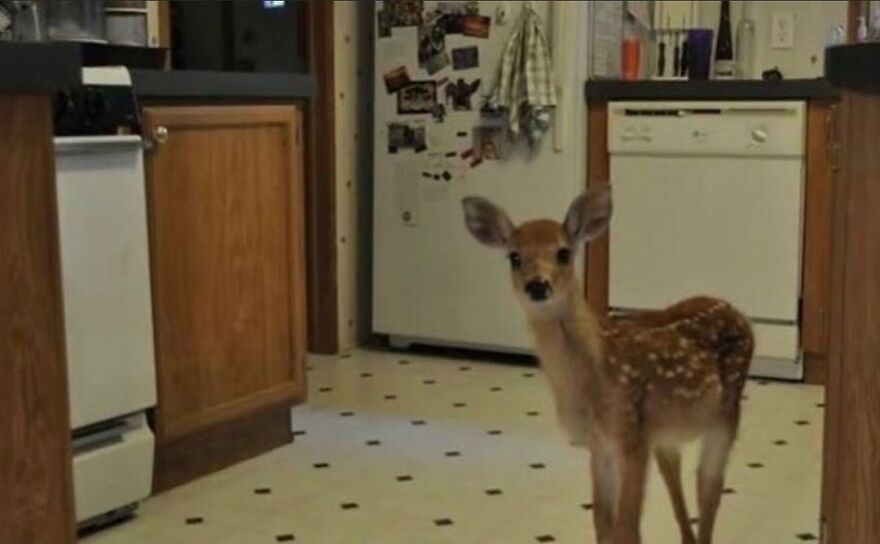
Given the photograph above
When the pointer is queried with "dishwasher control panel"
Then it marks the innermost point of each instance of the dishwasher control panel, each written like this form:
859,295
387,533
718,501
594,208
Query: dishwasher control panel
730,128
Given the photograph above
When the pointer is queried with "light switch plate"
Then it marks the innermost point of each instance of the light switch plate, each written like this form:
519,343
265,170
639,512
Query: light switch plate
782,30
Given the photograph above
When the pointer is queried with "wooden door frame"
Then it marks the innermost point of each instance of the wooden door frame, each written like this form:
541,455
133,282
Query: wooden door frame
320,168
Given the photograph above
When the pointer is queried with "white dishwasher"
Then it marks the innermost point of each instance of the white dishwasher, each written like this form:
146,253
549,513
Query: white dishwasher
709,200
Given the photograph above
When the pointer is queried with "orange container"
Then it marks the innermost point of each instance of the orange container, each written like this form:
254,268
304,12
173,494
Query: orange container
630,59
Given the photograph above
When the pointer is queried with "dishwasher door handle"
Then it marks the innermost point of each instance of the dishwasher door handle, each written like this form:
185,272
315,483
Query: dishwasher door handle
759,136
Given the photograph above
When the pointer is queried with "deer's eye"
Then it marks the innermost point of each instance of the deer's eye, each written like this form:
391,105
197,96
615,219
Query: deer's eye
563,256
515,260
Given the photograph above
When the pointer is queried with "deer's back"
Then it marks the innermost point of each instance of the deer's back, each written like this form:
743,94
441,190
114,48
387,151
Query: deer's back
682,365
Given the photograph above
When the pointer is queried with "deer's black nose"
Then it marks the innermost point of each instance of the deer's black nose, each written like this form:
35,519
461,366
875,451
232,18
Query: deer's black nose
538,289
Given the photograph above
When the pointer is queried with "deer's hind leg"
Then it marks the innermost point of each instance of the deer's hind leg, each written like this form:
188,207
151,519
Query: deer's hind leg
710,476
669,462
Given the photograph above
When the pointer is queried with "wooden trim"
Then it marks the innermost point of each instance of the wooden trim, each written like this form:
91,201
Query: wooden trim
165,30
297,258
598,173
286,394
817,243
853,11
224,116
322,278
210,450
36,492
165,24
835,332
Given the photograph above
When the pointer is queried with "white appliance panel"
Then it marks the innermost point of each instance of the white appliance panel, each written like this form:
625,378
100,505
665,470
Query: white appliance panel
105,277
729,227
114,475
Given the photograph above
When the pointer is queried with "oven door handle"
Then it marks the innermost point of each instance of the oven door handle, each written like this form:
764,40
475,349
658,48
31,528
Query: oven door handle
96,144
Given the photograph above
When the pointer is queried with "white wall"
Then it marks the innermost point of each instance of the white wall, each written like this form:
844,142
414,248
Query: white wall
814,21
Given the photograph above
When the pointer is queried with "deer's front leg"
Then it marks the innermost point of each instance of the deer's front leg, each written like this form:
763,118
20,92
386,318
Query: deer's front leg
606,486
632,463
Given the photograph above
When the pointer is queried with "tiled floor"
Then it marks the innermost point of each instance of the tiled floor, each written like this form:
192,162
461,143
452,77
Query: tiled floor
418,450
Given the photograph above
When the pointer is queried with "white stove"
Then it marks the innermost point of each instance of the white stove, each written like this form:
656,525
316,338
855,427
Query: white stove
106,293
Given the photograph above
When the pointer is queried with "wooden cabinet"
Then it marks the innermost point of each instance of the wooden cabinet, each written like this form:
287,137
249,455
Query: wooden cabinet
851,481
36,500
226,209
816,290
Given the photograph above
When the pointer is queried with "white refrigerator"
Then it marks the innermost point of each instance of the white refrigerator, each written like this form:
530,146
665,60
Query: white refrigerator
432,283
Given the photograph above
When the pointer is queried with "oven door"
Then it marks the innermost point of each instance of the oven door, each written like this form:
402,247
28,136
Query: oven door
105,277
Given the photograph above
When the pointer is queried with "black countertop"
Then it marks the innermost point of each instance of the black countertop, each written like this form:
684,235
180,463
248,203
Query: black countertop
854,66
47,67
787,89
194,84
38,67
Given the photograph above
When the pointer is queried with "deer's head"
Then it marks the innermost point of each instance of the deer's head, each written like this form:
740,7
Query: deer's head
541,252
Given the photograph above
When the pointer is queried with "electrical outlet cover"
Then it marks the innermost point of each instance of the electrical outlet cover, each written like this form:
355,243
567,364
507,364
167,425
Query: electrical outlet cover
782,31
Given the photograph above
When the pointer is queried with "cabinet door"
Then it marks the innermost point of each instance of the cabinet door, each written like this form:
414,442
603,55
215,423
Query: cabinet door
227,255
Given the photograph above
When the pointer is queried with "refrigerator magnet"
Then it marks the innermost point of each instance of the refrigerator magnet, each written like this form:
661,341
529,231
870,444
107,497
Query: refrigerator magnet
404,12
406,136
396,79
476,26
417,97
432,46
465,58
460,92
491,142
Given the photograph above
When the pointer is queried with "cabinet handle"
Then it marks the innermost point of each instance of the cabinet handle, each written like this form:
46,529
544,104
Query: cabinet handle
160,135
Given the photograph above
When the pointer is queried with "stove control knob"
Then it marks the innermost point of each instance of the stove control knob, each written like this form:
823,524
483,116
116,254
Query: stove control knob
95,103
64,103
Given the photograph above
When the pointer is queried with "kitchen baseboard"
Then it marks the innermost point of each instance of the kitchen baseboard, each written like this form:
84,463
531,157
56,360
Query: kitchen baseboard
190,457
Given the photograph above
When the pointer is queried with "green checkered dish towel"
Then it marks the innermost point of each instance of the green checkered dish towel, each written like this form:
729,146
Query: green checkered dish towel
525,86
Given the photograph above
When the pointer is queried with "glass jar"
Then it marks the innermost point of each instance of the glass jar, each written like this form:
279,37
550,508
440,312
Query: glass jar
81,21
745,44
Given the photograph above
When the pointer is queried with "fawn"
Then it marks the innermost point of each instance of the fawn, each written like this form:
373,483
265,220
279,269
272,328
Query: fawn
634,385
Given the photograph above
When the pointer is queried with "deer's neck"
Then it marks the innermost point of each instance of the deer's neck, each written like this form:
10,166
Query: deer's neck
569,346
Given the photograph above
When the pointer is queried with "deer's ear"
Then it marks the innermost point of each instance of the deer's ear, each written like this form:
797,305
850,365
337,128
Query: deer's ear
487,222
589,214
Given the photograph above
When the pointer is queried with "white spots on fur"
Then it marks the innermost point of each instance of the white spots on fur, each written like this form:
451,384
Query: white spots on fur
686,393
652,357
